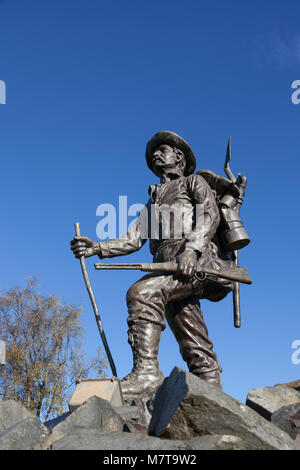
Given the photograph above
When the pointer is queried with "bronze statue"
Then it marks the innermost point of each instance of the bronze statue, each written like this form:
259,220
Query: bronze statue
174,293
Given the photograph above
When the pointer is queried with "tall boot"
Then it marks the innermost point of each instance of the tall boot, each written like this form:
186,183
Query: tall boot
144,338
213,377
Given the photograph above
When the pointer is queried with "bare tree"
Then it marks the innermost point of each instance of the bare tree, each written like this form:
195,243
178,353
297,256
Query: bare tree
44,354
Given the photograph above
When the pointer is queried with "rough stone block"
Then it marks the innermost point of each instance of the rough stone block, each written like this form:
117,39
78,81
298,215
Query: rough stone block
186,407
12,413
295,384
128,412
287,418
96,440
25,435
267,400
219,442
95,413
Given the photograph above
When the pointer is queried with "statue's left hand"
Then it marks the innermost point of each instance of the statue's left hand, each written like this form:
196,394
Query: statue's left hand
187,263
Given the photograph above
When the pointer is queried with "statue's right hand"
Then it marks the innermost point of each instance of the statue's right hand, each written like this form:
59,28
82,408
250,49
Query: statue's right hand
84,246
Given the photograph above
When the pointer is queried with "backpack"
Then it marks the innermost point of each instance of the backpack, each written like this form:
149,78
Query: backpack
231,231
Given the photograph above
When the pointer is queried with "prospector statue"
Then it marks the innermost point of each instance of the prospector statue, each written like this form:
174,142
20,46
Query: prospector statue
208,206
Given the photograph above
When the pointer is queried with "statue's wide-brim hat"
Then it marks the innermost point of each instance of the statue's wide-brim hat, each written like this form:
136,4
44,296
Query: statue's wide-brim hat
174,140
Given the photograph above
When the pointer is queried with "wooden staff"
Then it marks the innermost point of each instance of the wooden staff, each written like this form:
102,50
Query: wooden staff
95,308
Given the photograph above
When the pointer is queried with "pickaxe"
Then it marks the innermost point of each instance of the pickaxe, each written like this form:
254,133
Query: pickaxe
240,182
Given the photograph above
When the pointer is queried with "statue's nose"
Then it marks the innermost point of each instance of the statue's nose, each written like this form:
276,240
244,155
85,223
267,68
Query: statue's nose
158,156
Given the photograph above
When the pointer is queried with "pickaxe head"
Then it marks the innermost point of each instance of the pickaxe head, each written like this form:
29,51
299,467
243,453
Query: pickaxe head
227,169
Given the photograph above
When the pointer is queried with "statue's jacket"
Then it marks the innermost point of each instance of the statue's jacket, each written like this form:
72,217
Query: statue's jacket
181,214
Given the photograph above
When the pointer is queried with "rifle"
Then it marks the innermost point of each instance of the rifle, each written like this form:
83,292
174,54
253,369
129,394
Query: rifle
235,274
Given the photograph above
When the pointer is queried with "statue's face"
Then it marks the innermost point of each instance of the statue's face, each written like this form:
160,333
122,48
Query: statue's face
164,158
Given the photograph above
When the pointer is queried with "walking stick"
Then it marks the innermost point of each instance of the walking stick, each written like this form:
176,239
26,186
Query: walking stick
95,308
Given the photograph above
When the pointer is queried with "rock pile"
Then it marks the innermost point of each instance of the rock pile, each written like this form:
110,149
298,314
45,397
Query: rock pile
280,405
186,414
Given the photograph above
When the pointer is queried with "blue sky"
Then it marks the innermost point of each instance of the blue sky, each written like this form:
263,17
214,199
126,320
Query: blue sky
88,83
